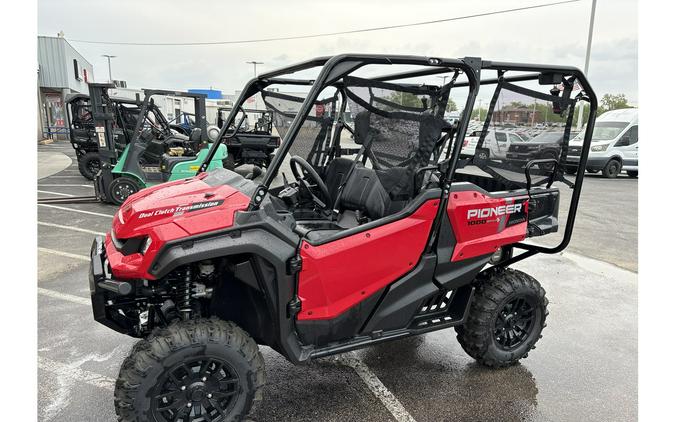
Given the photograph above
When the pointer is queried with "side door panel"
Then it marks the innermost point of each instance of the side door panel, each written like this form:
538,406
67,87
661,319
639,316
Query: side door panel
338,275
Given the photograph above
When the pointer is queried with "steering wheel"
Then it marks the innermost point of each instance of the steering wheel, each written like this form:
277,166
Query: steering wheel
309,172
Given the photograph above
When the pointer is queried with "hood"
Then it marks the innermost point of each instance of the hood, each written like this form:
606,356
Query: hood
190,206
525,146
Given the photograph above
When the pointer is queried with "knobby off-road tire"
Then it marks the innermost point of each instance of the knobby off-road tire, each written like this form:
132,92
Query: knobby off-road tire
217,362
499,295
89,164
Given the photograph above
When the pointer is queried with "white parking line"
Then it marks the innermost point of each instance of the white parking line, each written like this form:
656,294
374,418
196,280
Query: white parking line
76,374
64,296
77,229
65,185
75,210
54,193
64,254
376,387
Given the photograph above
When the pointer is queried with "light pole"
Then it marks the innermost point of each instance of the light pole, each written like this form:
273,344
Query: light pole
580,120
255,67
108,56
443,77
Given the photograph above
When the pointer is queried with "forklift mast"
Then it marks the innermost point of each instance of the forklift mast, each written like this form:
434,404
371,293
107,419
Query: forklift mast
103,115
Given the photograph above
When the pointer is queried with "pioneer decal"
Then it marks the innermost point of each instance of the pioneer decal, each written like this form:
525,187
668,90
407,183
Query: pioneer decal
181,209
506,215
482,213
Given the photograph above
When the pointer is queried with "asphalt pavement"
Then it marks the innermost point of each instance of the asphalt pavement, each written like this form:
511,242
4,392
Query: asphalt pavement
584,368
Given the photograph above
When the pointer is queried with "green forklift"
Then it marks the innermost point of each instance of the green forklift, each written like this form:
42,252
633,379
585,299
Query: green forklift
155,153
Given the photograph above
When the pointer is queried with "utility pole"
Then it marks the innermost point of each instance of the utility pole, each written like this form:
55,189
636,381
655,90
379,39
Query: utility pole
255,67
444,78
534,111
580,120
108,56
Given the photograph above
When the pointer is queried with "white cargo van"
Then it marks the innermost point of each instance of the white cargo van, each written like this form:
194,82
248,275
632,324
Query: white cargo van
614,146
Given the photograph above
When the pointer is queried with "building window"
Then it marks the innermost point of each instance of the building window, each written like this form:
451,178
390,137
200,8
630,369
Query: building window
76,68
84,73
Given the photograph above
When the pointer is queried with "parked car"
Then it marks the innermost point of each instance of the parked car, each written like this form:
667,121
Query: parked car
614,146
543,146
495,144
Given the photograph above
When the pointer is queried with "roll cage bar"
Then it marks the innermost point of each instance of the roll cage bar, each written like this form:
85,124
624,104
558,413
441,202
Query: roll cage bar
148,104
336,67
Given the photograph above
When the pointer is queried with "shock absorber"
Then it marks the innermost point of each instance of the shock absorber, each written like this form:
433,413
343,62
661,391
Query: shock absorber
184,295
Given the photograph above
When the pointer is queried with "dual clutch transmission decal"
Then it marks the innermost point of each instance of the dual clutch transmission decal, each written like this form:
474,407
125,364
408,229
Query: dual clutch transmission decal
181,209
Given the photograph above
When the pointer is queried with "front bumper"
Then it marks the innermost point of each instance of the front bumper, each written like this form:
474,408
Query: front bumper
103,288
592,163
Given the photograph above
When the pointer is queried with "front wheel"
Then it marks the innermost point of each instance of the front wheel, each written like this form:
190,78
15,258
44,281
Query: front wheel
201,370
89,164
121,188
612,169
506,317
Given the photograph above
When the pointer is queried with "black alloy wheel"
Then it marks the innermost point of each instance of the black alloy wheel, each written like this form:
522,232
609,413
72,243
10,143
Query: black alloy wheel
200,389
514,323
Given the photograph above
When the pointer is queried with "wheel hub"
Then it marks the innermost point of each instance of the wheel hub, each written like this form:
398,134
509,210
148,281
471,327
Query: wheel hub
197,392
201,387
514,323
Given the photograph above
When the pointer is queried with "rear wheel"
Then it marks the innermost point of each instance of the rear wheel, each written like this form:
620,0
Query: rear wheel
201,370
89,164
612,169
121,188
505,320
632,173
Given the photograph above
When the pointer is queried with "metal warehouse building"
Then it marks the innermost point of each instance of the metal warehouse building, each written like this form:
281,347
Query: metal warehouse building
61,71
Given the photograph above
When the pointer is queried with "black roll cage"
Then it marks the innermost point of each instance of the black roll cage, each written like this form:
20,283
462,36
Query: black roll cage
148,104
336,67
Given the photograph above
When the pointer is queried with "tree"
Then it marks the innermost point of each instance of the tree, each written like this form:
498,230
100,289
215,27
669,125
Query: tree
405,99
451,105
613,102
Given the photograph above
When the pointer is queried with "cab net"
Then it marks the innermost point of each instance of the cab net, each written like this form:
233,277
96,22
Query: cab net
313,139
525,136
400,128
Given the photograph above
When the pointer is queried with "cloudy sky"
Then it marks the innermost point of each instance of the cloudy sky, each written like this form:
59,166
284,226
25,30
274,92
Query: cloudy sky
555,35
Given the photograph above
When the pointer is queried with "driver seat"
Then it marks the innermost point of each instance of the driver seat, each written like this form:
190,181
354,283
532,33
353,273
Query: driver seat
364,193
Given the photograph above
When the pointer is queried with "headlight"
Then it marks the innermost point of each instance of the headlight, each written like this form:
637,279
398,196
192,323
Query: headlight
146,245
132,245
599,148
